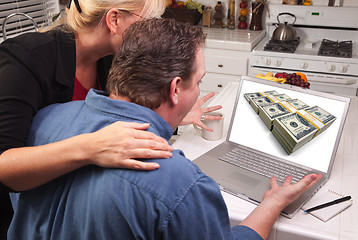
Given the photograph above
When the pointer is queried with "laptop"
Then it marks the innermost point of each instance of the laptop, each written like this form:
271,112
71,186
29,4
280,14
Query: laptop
253,144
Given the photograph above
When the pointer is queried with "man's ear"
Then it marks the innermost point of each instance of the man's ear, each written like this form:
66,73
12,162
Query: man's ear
174,92
112,20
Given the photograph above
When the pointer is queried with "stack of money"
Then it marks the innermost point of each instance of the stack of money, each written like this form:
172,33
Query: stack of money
298,104
265,100
256,102
296,129
325,117
249,96
293,131
282,97
291,121
269,112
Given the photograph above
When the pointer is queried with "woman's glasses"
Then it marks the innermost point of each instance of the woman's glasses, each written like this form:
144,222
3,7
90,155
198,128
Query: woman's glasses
133,13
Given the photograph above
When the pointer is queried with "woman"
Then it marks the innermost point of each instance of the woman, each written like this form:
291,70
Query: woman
60,65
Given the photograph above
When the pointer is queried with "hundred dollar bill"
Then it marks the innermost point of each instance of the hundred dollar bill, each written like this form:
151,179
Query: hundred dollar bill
325,117
295,129
269,112
260,101
282,97
249,96
297,103
318,117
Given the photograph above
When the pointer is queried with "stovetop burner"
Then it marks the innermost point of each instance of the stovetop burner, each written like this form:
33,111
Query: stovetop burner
335,48
282,46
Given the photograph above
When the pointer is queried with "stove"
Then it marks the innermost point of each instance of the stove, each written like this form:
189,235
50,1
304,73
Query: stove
325,51
282,46
335,48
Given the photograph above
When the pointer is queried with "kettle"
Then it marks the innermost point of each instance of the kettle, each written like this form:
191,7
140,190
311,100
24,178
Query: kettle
284,32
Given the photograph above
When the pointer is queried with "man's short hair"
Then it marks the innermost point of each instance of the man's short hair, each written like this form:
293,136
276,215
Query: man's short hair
152,53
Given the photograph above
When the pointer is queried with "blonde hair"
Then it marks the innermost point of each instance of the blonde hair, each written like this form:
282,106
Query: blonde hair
93,12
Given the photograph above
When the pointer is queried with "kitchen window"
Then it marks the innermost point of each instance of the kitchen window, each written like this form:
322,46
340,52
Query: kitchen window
41,11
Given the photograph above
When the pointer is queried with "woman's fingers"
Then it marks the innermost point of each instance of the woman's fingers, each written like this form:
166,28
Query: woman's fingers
135,133
138,165
118,144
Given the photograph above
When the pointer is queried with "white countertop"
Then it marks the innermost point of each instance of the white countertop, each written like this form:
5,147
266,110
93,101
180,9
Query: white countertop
236,39
344,179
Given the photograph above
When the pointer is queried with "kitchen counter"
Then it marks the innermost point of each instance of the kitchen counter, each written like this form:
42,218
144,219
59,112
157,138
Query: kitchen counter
343,179
236,39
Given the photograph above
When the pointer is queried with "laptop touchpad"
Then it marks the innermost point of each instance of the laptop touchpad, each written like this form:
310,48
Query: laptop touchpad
242,180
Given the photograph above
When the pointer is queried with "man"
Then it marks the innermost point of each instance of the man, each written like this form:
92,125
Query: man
155,78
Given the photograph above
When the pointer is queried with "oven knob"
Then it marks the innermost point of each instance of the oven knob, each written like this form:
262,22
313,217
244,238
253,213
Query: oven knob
278,62
331,67
267,61
343,69
304,65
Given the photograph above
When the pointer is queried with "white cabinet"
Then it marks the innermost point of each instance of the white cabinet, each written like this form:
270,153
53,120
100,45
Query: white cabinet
227,56
222,67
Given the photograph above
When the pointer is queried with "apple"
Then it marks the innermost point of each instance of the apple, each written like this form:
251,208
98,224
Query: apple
279,75
243,4
242,25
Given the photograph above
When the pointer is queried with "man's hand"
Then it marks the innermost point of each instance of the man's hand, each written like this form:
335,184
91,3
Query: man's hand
194,116
287,193
275,200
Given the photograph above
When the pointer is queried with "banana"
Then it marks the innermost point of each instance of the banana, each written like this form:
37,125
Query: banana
283,80
270,78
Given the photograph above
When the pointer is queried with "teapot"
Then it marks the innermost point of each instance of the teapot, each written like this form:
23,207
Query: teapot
284,32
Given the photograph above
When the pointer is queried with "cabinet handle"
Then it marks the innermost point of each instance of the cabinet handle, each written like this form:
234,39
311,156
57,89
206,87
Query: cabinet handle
220,65
219,85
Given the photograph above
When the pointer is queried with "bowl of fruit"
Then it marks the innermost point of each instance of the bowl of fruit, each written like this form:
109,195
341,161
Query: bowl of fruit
296,78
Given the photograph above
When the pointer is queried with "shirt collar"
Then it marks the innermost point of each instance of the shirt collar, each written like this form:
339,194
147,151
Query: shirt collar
100,101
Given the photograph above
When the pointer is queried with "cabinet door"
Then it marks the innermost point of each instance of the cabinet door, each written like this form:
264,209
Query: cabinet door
226,61
213,82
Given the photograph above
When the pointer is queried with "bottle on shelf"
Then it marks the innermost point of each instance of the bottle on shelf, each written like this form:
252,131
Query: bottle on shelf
231,15
257,7
207,12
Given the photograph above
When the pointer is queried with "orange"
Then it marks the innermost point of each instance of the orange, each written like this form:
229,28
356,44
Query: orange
244,12
303,76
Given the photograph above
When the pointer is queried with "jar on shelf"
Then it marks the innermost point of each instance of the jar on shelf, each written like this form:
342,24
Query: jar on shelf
243,15
218,15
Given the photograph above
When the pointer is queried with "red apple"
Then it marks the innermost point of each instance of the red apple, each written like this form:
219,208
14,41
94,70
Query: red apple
243,4
242,25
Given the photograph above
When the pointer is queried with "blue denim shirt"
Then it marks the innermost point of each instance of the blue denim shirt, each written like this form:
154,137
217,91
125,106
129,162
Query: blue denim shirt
177,201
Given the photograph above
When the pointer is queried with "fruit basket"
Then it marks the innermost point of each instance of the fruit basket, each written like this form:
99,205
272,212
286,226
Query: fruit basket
191,16
297,78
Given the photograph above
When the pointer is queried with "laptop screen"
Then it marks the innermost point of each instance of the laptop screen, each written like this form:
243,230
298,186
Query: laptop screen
292,136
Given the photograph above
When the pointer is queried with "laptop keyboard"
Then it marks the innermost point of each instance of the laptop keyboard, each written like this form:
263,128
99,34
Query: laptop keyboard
263,165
